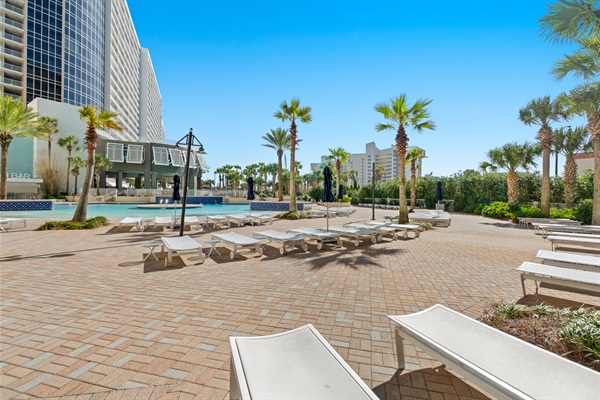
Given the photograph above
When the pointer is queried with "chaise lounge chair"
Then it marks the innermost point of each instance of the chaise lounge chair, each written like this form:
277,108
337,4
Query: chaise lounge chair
161,222
387,227
130,221
553,229
239,242
355,234
260,219
192,220
10,222
569,277
569,260
285,239
298,364
239,219
180,244
217,221
587,244
500,364
319,235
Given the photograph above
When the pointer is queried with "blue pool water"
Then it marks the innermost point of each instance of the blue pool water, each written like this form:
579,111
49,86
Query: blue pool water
117,211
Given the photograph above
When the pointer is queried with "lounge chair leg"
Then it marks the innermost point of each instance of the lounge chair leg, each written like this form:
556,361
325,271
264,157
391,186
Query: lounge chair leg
400,350
536,287
523,285
234,390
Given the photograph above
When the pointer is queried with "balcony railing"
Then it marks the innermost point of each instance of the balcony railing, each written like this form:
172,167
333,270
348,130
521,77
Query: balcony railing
13,37
13,23
12,67
12,8
12,81
12,52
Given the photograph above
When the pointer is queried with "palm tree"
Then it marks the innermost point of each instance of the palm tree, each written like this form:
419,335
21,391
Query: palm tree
94,120
262,171
273,170
584,100
78,163
48,128
338,156
399,115
569,141
16,120
293,112
543,112
578,22
413,158
512,156
101,163
70,143
379,172
484,166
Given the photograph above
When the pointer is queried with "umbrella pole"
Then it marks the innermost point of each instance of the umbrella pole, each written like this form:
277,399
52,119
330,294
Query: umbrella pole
327,216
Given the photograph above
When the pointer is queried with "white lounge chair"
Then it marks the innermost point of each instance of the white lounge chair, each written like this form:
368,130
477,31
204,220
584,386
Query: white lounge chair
298,364
569,277
443,219
285,239
552,229
319,235
396,228
130,221
238,242
569,260
562,221
342,211
260,219
217,221
180,244
192,220
239,219
320,213
591,244
500,364
10,222
161,222
356,233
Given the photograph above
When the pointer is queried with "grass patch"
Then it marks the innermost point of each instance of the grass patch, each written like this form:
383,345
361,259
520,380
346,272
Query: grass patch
293,215
91,223
574,334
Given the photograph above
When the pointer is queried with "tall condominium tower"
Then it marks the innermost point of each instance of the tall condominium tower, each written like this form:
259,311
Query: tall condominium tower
81,52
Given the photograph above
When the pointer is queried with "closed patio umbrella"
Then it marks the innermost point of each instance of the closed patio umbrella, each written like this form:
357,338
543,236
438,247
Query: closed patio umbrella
439,196
328,192
250,195
176,195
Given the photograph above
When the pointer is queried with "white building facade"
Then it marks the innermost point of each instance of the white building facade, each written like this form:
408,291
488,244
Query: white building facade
362,163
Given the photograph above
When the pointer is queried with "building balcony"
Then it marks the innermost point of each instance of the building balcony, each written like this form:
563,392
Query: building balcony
12,82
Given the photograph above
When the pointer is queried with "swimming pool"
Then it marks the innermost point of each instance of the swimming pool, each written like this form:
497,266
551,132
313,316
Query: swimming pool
118,211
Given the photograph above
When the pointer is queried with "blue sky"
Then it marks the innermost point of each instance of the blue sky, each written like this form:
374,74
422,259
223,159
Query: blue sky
224,67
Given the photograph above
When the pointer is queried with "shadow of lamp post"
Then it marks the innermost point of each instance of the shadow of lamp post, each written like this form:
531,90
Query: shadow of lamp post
189,140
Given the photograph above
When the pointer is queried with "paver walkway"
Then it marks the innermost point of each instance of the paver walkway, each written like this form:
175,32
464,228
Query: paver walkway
82,318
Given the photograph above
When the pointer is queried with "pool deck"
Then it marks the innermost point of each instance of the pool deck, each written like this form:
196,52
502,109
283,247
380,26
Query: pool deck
81,317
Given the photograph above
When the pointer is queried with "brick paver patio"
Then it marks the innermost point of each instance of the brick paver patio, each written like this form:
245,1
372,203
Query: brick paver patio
82,318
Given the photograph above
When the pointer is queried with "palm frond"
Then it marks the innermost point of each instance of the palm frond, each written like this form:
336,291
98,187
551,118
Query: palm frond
384,127
568,20
583,63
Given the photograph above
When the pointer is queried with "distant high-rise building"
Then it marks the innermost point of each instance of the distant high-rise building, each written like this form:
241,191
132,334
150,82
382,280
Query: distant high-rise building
362,163
81,52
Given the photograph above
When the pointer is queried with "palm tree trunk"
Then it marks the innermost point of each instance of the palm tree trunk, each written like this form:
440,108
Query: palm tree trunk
81,211
68,173
3,171
50,154
513,187
75,191
293,206
570,181
401,144
413,185
596,201
545,201
97,177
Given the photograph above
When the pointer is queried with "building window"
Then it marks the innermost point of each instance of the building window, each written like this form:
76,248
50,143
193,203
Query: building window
202,162
114,152
177,158
161,155
135,154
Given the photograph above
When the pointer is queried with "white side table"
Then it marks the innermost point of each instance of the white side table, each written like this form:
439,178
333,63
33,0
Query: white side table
151,247
213,243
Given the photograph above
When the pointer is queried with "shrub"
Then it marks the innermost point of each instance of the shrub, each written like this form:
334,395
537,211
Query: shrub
91,223
293,215
584,211
569,213
530,211
478,208
497,209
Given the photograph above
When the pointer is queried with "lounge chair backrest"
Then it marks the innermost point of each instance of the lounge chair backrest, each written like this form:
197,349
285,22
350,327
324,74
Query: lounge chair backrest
505,366
297,364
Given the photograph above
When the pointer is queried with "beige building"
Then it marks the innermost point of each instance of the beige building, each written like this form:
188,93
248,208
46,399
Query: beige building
584,161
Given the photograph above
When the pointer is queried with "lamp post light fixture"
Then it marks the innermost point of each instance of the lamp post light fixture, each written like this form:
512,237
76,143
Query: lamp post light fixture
189,140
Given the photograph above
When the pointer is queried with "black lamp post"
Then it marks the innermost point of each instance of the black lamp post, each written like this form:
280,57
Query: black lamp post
189,140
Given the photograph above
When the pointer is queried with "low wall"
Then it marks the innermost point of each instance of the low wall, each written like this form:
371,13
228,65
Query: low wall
281,206
192,199
26,205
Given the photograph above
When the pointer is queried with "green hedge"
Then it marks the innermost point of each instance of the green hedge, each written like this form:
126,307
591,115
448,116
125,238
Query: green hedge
91,223
502,210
